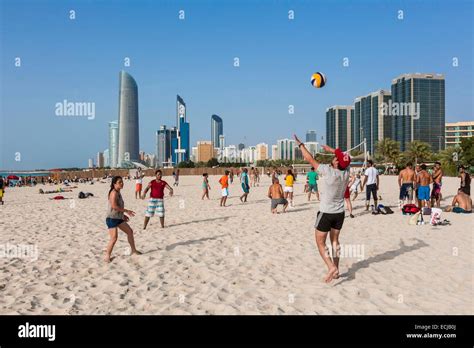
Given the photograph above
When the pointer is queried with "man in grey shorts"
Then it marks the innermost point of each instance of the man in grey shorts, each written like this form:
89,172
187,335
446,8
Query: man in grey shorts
330,217
275,192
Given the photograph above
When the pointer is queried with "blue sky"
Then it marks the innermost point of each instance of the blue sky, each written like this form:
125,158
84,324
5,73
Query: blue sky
79,60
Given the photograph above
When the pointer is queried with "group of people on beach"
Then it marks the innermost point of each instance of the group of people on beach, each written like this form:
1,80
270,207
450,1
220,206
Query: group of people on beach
415,186
337,187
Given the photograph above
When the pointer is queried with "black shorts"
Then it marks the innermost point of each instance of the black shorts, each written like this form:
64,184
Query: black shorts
372,188
326,221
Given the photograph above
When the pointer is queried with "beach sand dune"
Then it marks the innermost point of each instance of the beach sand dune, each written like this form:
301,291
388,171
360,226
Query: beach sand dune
235,260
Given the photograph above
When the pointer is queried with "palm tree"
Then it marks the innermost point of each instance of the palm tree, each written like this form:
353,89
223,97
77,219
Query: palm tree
388,149
418,151
446,158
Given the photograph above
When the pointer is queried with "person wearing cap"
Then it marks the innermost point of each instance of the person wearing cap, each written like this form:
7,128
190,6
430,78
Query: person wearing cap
330,217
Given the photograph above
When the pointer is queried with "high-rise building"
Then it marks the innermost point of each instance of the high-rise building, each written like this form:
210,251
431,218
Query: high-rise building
286,149
194,150
339,122
141,155
371,120
91,163
205,151
128,145
231,153
312,146
217,129
262,152
184,146
164,141
455,132
113,143
221,142
100,160
181,149
241,146
311,136
106,158
275,152
418,100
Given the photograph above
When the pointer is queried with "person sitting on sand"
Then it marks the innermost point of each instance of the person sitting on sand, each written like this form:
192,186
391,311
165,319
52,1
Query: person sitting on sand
205,186
116,218
462,203
275,193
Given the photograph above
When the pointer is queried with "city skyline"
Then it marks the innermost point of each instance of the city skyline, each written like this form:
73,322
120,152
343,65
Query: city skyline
266,97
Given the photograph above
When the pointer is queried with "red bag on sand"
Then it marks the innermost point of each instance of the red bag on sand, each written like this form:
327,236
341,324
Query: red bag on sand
410,209
58,197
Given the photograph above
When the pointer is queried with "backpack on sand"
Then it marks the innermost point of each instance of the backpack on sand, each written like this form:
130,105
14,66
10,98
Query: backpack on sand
410,209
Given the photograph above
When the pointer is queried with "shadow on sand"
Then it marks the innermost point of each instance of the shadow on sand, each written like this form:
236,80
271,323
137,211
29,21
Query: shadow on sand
388,255
193,241
224,218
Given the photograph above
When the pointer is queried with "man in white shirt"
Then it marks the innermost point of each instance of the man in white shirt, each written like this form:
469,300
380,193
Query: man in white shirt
330,218
371,178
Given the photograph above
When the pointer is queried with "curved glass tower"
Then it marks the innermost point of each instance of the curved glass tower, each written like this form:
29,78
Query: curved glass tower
217,129
128,144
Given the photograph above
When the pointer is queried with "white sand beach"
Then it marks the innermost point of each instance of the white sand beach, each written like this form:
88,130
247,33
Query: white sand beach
235,260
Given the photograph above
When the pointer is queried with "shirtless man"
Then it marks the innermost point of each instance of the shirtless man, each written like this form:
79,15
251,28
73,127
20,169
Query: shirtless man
275,193
406,181
463,201
437,182
424,180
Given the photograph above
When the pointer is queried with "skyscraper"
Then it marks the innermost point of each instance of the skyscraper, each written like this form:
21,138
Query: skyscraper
100,160
164,140
262,152
181,150
217,129
128,145
241,146
221,142
113,143
311,136
286,149
370,119
106,158
339,126
420,102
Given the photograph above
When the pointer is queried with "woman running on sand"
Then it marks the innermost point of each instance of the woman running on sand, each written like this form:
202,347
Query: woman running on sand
117,219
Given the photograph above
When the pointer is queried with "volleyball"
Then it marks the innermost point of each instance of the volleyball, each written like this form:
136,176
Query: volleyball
318,80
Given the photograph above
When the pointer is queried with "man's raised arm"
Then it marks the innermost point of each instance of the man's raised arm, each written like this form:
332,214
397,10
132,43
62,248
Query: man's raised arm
307,155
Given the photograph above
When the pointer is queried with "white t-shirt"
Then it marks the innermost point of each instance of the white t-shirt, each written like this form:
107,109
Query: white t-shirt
371,174
333,187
